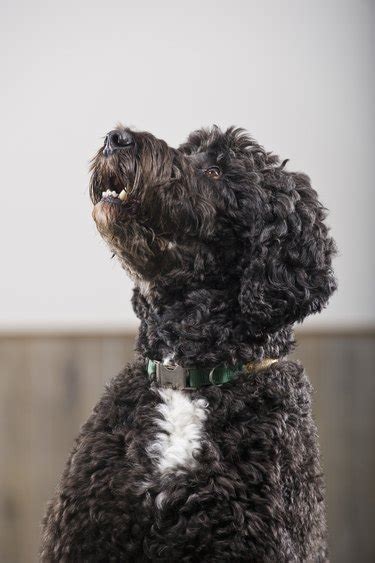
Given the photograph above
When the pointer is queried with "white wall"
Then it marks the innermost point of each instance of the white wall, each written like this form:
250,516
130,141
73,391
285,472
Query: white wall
297,74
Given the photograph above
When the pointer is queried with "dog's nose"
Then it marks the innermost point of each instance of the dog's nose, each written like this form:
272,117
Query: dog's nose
117,139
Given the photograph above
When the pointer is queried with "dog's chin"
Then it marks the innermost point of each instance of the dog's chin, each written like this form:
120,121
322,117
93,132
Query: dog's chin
107,211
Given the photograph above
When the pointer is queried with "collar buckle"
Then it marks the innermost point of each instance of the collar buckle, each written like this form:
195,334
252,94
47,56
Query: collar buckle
172,376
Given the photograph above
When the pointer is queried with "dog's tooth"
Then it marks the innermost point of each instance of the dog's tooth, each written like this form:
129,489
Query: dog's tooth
114,193
103,194
122,195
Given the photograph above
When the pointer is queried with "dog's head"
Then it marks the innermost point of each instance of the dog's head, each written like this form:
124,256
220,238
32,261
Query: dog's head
219,212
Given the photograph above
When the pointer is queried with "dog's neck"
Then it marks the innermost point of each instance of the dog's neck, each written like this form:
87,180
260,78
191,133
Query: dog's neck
200,328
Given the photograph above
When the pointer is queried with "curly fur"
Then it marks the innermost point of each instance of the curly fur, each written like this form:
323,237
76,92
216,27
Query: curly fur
223,266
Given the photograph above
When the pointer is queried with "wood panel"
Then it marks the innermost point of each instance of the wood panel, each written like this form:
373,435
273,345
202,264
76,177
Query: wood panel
49,384
341,368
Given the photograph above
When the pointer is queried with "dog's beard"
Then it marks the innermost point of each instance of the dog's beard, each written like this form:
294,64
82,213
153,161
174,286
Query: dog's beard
125,190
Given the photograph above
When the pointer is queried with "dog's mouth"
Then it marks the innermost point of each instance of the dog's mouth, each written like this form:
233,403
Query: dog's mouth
110,196
116,190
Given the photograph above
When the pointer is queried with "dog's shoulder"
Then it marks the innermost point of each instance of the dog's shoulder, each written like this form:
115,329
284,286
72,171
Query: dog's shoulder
89,501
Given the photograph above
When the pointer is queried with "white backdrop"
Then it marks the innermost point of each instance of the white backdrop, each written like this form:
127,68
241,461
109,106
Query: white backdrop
297,74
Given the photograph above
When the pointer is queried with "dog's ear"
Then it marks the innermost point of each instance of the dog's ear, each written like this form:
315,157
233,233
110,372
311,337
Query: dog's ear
287,271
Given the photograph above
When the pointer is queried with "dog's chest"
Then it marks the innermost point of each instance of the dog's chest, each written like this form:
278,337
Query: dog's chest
180,422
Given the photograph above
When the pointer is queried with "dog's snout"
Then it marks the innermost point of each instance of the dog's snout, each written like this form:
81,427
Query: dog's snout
117,139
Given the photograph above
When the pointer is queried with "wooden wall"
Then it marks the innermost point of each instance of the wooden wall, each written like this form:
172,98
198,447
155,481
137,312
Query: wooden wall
49,384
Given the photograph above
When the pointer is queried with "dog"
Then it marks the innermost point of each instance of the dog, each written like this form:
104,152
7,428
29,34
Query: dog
204,448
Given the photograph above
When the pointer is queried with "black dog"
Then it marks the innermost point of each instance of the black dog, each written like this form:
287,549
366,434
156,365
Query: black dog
203,449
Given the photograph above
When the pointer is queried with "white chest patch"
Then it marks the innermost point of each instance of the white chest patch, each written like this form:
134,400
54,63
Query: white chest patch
182,426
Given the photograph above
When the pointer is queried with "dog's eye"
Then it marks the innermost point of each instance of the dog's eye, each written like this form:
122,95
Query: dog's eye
213,172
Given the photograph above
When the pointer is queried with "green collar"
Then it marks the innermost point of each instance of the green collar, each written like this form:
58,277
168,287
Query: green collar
179,377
